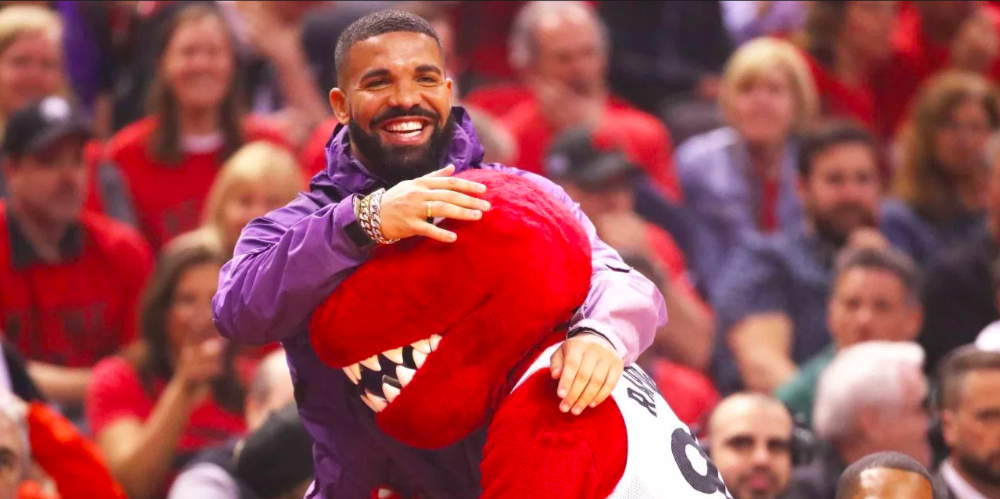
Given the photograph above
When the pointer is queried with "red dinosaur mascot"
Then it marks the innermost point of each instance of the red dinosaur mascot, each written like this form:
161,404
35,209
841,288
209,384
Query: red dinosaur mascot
443,339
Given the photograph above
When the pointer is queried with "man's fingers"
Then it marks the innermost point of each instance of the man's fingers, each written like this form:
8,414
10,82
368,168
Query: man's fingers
434,232
441,209
556,363
594,385
614,375
444,172
458,199
570,365
580,382
452,184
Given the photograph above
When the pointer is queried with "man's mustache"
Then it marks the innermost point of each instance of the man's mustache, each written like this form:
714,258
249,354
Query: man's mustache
397,112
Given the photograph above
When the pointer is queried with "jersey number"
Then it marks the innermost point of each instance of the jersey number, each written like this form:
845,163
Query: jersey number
711,481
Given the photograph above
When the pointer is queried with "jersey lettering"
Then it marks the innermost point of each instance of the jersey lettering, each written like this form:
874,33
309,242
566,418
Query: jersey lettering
709,483
645,390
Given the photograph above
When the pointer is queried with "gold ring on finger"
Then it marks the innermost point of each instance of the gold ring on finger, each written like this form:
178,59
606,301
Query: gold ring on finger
430,209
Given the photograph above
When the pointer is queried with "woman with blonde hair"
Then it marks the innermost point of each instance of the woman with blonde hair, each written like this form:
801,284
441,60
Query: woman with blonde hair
31,63
740,179
941,181
259,178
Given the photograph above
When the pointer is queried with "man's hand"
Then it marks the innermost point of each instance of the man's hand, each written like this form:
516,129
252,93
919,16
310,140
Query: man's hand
588,368
564,107
404,208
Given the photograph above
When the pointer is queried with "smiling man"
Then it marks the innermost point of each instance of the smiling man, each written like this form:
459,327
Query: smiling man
390,172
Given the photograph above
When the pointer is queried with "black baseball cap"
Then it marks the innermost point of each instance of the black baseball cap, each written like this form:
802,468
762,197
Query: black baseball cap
37,126
576,155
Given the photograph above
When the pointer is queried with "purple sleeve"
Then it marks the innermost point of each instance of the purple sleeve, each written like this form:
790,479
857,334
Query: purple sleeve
622,304
284,266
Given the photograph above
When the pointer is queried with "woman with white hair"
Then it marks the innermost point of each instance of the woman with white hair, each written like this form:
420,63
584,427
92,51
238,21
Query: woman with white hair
869,399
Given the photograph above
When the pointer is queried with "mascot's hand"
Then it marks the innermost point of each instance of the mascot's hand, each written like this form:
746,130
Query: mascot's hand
588,368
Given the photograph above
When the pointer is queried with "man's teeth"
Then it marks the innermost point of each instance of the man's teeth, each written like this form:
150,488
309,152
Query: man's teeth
405,127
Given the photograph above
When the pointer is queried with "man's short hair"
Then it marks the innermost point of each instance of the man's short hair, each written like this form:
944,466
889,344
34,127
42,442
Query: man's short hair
850,480
888,260
819,138
380,23
868,374
957,365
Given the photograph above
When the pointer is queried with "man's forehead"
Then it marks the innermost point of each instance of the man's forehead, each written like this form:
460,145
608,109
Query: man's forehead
889,483
752,418
396,50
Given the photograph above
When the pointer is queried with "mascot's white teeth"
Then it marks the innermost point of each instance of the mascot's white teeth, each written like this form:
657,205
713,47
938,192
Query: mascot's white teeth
371,363
435,340
354,373
419,358
422,346
404,375
391,392
395,355
376,403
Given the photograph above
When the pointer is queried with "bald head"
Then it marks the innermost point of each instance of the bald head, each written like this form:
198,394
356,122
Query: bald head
270,389
885,475
560,43
751,445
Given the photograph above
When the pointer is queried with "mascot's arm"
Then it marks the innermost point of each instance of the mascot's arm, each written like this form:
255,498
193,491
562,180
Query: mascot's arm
533,450
622,305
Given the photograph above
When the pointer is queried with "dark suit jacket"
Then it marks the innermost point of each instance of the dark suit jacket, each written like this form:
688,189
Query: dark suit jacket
818,479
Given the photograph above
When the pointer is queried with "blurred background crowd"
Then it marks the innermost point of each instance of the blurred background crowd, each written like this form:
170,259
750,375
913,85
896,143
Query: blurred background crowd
811,185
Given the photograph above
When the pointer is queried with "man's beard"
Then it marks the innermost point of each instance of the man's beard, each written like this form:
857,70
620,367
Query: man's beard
831,227
772,478
395,164
978,470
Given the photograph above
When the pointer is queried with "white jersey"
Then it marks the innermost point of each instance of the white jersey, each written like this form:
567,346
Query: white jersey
664,460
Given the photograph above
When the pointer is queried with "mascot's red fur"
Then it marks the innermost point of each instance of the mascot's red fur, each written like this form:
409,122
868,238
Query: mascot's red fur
468,329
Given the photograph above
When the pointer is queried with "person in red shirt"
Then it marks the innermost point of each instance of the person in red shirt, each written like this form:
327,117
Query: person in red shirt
181,394
68,278
170,159
598,176
930,36
33,432
561,52
844,43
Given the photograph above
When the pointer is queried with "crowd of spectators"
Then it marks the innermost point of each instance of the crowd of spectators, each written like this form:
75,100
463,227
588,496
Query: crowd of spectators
814,187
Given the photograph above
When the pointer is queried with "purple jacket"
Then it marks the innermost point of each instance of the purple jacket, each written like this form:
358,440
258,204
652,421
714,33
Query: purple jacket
287,262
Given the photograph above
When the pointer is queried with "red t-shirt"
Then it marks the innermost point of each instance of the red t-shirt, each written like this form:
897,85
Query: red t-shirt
840,99
498,100
168,199
915,58
77,311
117,392
643,138
313,154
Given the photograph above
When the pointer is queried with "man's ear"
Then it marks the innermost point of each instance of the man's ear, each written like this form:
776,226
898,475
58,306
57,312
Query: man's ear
451,91
949,429
338,102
